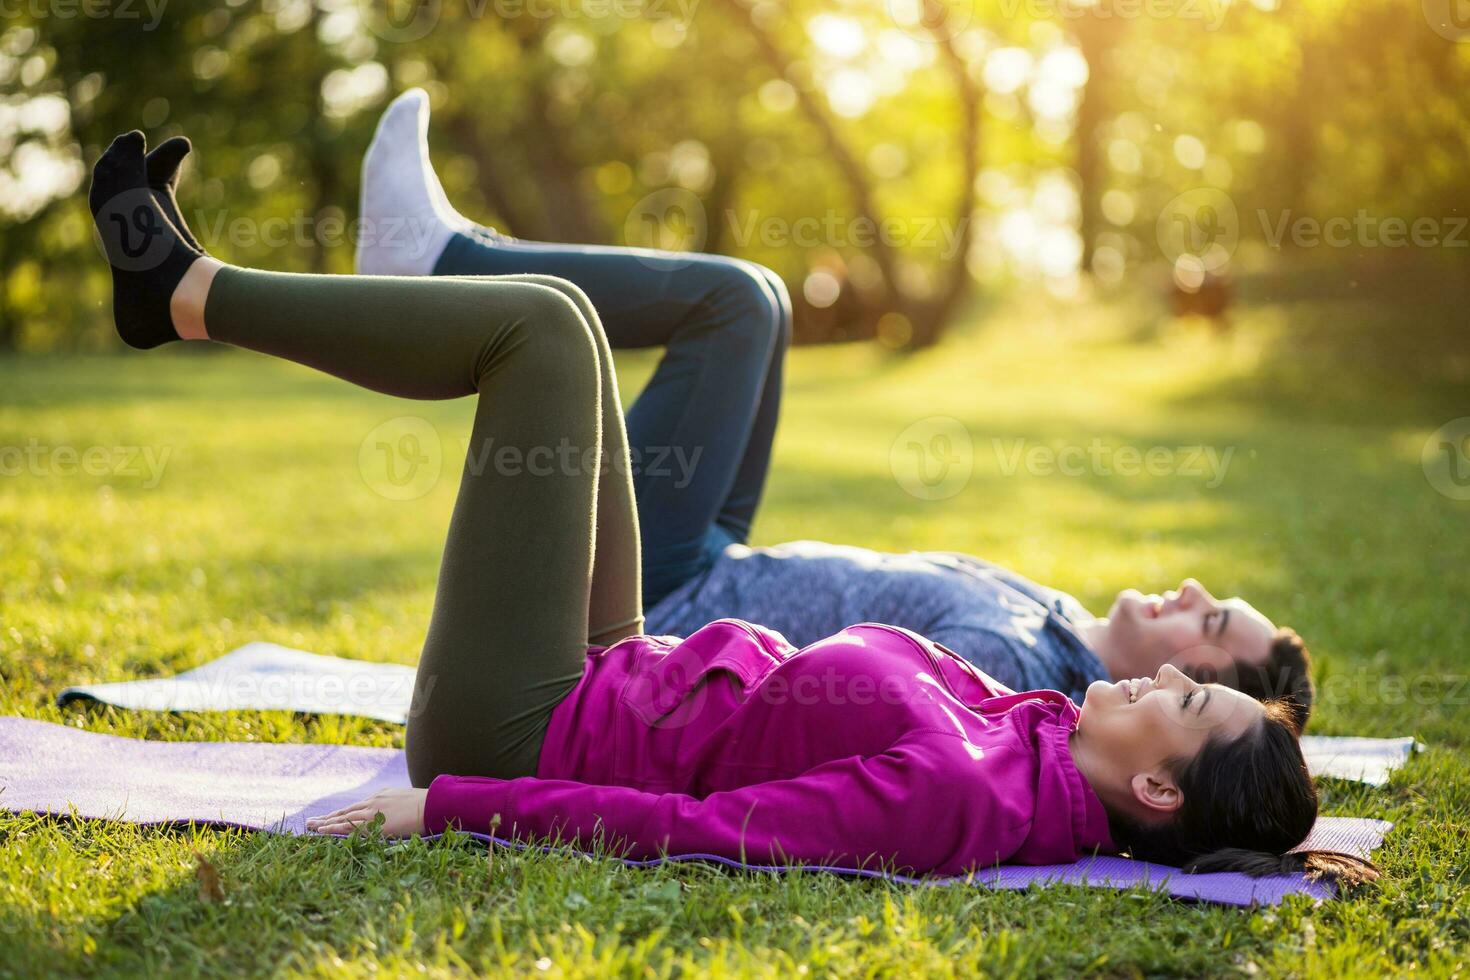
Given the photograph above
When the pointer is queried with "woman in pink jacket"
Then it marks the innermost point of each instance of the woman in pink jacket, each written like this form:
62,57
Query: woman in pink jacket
541,710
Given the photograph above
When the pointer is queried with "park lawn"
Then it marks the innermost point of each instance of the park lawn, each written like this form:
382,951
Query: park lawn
263,526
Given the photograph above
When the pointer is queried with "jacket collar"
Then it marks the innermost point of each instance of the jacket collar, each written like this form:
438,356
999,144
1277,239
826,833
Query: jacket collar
1061,777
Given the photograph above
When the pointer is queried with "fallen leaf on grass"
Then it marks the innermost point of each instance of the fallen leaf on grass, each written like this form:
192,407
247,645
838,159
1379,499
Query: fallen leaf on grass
210,889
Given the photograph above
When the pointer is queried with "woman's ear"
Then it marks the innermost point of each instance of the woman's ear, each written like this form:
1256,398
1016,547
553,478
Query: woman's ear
1157,793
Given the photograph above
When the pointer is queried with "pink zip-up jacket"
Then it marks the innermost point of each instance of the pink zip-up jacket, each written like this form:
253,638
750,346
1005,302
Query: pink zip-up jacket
873,747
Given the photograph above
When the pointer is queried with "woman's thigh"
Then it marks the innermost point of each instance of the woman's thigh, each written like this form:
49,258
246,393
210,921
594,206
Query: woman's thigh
508,634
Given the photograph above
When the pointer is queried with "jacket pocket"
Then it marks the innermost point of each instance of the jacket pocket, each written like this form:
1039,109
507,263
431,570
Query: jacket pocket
670,690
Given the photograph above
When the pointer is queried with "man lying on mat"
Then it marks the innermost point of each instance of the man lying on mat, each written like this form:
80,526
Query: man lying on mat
709,413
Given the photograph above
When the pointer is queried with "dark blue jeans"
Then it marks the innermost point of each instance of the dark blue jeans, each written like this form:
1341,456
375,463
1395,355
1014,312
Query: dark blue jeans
700,434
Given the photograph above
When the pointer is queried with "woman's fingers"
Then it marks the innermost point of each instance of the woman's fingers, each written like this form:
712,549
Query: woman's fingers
334,813
351,806
367,804
339,825
348,816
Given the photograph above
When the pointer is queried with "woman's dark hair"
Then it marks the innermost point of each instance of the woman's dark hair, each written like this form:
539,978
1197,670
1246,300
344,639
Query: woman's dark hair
1246,803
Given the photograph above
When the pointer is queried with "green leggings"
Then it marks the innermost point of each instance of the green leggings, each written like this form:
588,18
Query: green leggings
537,564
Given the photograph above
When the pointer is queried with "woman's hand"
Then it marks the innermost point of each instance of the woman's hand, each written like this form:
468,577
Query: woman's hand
402,810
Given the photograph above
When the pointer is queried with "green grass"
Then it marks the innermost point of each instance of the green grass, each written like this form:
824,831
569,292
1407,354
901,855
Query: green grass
263,527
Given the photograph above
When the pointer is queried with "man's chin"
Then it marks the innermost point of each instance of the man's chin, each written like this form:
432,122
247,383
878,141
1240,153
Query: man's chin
1125,606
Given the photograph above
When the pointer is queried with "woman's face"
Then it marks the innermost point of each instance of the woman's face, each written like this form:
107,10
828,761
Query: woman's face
1138,729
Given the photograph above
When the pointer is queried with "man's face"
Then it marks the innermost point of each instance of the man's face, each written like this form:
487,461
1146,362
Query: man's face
1190,629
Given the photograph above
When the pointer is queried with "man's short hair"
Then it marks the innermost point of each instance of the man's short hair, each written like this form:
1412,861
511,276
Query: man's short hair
1285,676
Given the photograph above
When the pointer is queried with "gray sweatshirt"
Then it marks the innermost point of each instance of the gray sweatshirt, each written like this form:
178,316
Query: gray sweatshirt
1018,632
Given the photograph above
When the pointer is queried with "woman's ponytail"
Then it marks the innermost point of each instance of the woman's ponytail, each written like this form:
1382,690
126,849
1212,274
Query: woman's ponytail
1338,868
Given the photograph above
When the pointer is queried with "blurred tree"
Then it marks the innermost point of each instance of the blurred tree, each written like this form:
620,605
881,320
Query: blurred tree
838,141
921,315
1097,38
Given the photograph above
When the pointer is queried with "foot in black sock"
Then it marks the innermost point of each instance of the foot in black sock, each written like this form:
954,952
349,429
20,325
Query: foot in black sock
147,253
162,164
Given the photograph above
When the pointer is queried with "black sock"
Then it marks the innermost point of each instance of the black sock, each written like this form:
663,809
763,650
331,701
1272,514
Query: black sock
147,253
162,164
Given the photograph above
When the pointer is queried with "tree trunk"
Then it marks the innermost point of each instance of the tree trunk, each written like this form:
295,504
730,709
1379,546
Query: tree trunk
724,157
516,218
1096,37
927,316
852,172
570,215
325,189
929,325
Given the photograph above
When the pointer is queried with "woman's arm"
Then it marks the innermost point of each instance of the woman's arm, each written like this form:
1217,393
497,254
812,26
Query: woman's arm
900,808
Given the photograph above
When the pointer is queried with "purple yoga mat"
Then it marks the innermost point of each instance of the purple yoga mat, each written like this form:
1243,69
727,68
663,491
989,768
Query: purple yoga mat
51,768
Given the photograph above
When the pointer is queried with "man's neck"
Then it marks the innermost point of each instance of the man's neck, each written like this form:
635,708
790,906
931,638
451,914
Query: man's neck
1094,632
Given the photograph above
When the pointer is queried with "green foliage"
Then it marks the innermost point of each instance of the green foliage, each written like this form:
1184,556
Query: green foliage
561,127
262,527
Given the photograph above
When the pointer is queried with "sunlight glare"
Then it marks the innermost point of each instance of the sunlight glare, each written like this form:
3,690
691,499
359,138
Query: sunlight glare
838,36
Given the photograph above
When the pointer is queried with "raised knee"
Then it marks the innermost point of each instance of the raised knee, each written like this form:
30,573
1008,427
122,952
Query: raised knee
753,309
566,287
553,330
778,289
